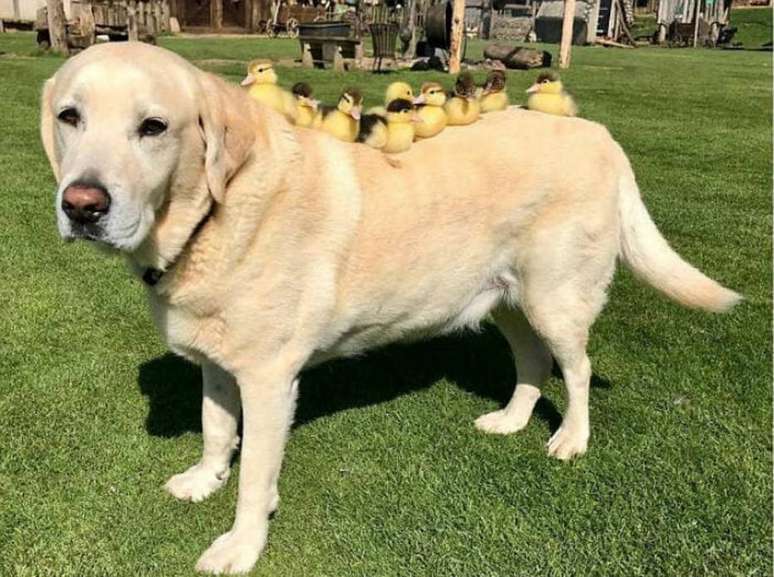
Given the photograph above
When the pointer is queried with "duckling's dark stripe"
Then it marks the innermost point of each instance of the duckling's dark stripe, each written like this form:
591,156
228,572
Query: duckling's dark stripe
367,124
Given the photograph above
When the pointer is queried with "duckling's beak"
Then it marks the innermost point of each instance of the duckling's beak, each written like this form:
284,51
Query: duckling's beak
534,88
355,112
421,99
416,118
248,80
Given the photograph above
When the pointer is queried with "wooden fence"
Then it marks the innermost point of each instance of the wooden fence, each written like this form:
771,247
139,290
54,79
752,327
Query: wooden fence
137,18
150,17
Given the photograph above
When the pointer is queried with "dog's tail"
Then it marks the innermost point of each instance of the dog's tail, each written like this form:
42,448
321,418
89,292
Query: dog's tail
651,258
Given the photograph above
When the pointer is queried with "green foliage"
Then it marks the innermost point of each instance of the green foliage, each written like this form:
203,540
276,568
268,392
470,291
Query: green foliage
385,474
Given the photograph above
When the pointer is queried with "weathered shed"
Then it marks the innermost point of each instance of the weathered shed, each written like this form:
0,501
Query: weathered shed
692,21
593,19
239,15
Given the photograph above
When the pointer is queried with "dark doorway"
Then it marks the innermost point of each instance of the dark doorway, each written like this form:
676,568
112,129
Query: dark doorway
196,13
234,13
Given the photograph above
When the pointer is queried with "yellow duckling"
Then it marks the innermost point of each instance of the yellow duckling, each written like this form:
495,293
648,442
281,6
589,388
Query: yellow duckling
262,80
343,122
463,108
548,95
306,106
394,91
393,132
493,96
432,116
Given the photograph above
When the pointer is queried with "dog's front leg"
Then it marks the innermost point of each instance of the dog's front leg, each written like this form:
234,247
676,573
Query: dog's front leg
220,416
268,403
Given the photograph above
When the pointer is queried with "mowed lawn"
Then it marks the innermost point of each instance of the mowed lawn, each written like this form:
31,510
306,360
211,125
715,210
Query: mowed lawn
385,474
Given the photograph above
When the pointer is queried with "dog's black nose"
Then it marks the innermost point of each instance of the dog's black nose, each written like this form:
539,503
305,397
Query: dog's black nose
85,203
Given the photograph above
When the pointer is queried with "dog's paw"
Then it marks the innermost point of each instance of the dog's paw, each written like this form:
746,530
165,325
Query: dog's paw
233,552
274,501
196,484
501,422
568,442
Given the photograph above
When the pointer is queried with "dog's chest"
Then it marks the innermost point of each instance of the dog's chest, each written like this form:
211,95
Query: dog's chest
190,335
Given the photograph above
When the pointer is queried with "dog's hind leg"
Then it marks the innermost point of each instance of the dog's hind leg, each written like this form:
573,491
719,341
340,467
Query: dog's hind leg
220,416
562,314
533,366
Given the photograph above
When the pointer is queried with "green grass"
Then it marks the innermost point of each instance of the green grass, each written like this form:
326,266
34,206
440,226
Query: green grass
753,26
384,473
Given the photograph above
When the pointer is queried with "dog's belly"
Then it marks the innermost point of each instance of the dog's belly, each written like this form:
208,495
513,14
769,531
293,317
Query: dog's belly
388,322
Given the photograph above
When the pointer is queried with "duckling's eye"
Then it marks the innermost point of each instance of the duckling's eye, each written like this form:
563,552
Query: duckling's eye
69,116
152,127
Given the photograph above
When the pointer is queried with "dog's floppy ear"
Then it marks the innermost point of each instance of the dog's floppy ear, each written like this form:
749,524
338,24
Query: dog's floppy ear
228,132
47,126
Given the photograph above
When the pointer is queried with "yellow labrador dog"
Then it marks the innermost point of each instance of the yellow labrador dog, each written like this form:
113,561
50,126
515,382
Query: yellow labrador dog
266,249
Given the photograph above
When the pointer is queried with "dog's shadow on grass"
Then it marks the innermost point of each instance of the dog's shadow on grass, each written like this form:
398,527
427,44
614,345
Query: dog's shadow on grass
479,363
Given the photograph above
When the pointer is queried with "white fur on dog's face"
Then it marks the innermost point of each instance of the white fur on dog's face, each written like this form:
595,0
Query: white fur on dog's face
123,128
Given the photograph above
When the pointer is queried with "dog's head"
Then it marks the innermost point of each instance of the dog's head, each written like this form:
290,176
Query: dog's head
129,129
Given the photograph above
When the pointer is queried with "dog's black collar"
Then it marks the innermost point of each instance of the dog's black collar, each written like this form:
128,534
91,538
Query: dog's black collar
151,276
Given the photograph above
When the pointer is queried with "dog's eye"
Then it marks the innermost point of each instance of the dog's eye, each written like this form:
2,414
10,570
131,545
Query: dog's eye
152,127
69,116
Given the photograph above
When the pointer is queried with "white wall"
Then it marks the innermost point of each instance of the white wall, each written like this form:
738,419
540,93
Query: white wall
25,9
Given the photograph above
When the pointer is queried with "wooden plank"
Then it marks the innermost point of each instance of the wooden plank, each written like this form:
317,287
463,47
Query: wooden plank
255,15
157,20
56,26
567,24
457,30
216,14
696,18
606,42
88,26
131,21
165,15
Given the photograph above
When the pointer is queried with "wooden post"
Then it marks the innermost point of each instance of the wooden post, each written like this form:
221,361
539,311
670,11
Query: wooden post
157,17
412,23
457,29
56,25
131,21
216,14
255,15
567,26
165,16
696,15
151,28
88,26
661,19
141,22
